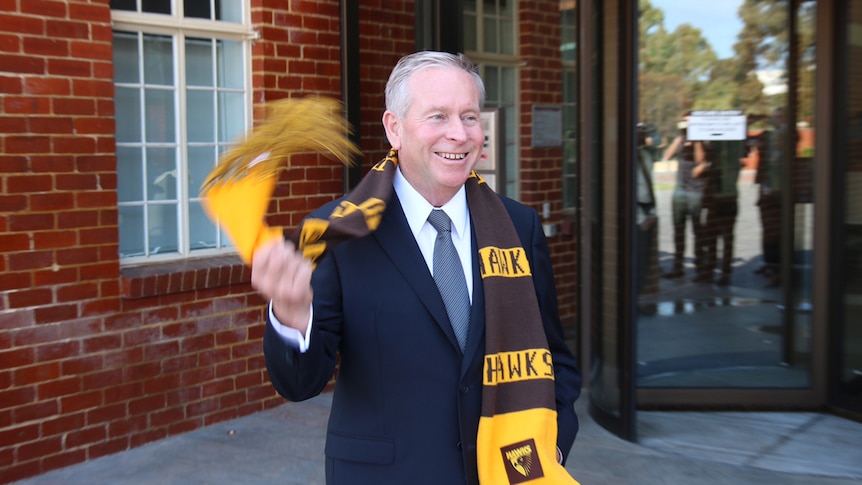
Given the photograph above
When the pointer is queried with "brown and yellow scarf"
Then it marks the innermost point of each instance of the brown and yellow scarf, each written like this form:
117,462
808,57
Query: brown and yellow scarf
518,426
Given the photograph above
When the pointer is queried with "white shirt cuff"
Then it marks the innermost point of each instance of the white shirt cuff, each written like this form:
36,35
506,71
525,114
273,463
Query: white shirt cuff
291,335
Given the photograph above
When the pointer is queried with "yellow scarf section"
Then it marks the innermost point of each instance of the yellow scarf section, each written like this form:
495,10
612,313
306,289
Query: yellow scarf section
518,427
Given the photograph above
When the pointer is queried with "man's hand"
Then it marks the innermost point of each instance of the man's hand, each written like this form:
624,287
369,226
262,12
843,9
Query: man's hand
280,274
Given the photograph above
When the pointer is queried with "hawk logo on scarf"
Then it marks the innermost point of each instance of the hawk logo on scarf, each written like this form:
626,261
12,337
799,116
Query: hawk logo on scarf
522,462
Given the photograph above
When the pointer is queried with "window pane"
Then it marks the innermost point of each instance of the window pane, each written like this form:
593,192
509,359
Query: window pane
509,89
126,58
131,224
492,84
199,9
229,11
489,35
507,29
200,113
470,34
231,68
156,6
162,226
158,60
199,62
202,232
201,162
160,115
129,174
124,5
161,173
231,117
127,105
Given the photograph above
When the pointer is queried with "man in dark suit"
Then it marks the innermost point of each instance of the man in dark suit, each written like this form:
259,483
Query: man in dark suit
407,397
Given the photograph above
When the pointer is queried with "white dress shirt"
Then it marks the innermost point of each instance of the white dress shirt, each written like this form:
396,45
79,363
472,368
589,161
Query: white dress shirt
416,209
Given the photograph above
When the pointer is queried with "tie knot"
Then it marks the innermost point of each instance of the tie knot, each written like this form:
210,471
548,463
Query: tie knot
440,221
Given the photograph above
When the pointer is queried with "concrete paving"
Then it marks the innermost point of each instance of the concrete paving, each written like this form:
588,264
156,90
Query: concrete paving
284,445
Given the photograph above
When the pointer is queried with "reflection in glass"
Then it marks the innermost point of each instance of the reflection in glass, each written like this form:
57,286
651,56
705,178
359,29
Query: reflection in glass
159,105
162,226
231,116
230,61
851,372
158,60
161,173
200,113
202,231
732,230
127,105
125,60
129,174
131,225
199,62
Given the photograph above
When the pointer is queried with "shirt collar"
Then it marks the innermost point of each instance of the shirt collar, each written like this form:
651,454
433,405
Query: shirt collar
417,209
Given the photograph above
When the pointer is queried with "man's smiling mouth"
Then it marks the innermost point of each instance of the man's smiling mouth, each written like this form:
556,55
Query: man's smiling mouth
452,156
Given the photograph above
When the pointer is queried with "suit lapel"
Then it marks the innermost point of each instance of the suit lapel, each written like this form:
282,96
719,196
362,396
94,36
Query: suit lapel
396,239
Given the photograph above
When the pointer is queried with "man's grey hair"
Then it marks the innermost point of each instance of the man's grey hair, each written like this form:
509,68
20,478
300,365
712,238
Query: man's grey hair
397,93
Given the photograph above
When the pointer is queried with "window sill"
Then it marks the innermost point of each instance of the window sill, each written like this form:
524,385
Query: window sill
180,276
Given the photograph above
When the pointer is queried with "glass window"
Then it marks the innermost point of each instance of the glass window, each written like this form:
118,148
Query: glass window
181,98
490,40
568,54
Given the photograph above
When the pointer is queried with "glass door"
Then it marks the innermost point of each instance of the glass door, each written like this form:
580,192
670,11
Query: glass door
723,204
848,345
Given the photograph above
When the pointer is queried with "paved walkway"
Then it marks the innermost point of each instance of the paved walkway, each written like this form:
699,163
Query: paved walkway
284,445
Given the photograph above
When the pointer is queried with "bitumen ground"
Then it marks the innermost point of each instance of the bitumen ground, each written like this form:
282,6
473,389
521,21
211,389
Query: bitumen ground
284,445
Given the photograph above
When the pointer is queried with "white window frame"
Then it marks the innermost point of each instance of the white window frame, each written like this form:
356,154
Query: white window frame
511,185
179,28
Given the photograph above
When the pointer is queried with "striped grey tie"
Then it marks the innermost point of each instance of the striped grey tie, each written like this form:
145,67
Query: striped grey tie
449,276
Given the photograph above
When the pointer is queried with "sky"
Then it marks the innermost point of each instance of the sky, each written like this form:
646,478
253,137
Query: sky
717,20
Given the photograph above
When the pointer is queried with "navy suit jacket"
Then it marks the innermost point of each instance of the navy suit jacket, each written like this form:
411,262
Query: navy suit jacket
406,404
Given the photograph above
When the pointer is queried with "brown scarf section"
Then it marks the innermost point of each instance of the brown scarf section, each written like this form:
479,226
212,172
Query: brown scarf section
518,428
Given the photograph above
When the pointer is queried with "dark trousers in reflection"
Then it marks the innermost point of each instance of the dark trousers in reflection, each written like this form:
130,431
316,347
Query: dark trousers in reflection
770,219
688,206
720,221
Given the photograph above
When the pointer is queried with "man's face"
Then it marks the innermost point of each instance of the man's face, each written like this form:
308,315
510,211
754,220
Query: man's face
440,138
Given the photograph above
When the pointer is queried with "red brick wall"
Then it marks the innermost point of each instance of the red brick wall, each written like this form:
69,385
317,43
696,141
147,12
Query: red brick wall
542,168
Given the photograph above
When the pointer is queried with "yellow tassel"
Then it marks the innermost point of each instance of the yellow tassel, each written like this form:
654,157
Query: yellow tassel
292,125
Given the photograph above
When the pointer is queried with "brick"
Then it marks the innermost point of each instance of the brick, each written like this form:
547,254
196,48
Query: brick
92,88
90,361
43,46
73,144
54,239
34,412
74,106
102,380
30,298
104,414
11,85
26,105
35,374
55,276
81,291
56,313
61,387
58,351
69,67
50,125
80,401
22,64
31,222
20,434
39,449
46,8
62,460
62,424
100,12
96,51
67,29
53,201
76,181
94,126
108,447
28,144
